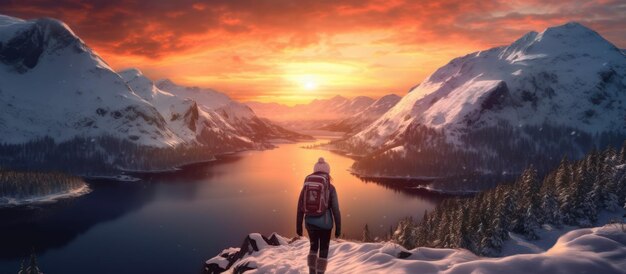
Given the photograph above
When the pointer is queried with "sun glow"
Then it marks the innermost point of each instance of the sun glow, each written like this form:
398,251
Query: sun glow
309,85
306,82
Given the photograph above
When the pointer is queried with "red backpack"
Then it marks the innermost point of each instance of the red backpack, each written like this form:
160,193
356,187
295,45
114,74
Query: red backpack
316,192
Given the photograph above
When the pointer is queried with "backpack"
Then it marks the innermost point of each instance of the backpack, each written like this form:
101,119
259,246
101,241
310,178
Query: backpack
316,192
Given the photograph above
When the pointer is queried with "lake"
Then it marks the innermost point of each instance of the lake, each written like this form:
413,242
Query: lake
172,223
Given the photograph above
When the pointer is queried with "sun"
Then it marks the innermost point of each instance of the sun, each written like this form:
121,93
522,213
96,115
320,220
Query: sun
309,85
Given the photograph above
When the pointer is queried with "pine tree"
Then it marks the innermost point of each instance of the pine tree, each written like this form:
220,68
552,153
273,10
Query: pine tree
22,267
404,234
367,235
550,203
609,200
528,206
563,181
586,196
622,154
421,232
465,241
530,223
33,267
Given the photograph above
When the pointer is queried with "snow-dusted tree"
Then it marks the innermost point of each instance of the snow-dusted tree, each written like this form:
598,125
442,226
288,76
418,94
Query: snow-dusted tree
563,181
421,232
405,233
609,181
622,154
367,235
528,207
32,268
550,203
530,223
492,242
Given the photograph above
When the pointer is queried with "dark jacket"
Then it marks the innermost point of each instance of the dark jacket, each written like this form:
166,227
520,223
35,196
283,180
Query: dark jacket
318,222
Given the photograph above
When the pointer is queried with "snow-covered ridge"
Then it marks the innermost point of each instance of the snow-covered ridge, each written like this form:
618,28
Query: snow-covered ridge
588,250
207,97
333,108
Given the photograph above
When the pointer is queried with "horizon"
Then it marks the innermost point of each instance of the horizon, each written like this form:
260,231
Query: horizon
371,48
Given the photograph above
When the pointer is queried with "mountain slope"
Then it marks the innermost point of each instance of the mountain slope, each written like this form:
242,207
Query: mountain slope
54,85
558,92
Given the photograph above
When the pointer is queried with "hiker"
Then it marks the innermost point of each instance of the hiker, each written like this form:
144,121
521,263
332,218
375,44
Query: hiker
319,206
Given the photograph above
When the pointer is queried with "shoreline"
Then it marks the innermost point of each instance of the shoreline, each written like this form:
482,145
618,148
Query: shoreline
50,198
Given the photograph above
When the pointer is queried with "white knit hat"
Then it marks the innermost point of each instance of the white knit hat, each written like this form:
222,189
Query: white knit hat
321,166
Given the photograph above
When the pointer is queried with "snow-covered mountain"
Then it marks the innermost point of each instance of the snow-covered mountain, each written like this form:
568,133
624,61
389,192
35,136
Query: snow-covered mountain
561,91
54,85
239,117
323,110
358,121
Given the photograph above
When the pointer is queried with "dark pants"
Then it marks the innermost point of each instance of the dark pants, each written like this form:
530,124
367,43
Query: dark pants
320,240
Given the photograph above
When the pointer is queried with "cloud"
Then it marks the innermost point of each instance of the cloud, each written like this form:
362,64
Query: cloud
157,28
403,39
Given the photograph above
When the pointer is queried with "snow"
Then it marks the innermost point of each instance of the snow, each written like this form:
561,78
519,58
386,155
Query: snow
572,71
548,236
455,108
119,178
53,197
588,250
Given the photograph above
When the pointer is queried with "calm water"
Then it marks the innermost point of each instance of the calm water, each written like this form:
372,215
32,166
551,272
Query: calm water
172,223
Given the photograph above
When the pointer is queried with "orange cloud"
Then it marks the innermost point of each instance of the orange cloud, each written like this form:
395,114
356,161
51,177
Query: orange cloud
259,49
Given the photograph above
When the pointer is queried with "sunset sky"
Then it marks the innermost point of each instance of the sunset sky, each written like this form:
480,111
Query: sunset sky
294,51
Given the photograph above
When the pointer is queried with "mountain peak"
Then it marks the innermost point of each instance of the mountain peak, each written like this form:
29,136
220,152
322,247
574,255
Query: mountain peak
337,97
9,20
25,42
165,82
569,27
570,39
133,72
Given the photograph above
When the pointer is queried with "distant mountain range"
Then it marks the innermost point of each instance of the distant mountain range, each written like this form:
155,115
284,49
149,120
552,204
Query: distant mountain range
333,114
549,94
358,121
55,87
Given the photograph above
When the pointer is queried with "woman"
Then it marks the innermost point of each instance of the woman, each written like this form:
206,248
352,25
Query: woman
319,226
